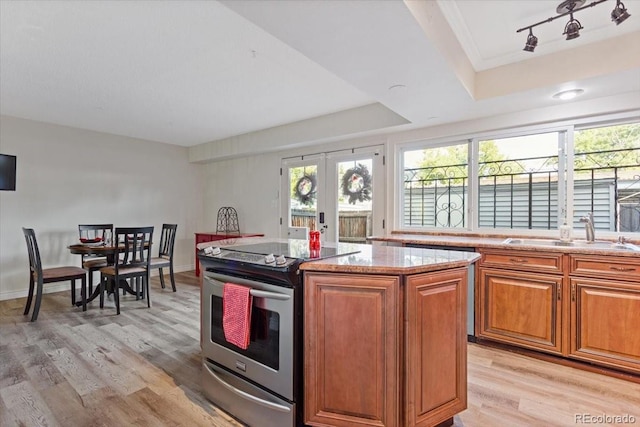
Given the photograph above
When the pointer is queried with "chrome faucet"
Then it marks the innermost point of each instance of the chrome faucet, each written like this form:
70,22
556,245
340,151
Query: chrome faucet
588,226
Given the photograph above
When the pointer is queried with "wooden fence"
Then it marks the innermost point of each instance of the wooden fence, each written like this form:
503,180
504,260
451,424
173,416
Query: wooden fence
353,226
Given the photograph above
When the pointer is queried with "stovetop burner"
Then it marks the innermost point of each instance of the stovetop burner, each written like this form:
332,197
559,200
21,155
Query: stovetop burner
274,261
298,249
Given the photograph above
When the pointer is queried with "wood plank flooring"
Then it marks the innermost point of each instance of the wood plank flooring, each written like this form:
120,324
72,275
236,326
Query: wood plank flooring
143,368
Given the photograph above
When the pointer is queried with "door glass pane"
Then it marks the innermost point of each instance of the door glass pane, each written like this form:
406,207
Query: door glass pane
355,200
303,196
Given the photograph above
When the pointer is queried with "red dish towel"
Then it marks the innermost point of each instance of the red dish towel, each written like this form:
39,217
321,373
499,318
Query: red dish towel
236,314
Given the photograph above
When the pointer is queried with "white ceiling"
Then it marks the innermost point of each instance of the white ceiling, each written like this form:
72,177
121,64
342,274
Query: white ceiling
190,72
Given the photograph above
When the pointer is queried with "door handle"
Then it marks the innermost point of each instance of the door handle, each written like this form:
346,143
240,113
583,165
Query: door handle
259,293
271,295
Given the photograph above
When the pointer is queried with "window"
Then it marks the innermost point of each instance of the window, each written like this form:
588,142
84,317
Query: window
435,187
521,182
606,172
518,182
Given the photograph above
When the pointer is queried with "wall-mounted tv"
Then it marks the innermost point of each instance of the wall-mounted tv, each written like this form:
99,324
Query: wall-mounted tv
7,172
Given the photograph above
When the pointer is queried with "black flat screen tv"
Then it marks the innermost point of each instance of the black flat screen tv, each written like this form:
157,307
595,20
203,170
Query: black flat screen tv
7,172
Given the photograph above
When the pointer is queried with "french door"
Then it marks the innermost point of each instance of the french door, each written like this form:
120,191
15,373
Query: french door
340,193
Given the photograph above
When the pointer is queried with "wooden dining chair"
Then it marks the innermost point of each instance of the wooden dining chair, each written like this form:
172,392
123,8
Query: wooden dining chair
39,276
131,264
94,233
165,253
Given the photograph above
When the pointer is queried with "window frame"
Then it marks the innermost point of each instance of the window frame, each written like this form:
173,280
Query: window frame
565,130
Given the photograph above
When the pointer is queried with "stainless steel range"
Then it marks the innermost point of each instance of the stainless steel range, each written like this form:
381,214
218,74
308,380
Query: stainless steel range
262,384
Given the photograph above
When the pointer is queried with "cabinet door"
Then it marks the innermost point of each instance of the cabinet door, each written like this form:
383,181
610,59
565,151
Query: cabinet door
521,308
605,317
352,344
436,347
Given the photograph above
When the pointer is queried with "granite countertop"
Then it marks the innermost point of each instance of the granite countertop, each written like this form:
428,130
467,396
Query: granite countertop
601,247
372,259
375,259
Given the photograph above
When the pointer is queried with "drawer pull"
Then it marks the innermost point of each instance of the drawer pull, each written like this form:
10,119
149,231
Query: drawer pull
622,268
519,260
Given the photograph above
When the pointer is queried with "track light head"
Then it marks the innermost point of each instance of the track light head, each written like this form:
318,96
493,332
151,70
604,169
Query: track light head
572,29
619,13
532,42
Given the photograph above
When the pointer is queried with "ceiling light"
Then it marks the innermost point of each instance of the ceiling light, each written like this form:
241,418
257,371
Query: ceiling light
573,27
532,42
619,13
566,95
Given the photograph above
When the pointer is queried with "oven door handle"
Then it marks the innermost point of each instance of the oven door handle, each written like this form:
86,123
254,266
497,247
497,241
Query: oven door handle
259,293
270,295
246,395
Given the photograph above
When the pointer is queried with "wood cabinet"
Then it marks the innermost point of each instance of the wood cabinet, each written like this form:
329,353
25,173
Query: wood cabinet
580,306
605,311
436,355
521,308
384,350
352,349
519,304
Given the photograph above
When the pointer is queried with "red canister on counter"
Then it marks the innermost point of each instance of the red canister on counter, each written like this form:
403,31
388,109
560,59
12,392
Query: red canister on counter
314,240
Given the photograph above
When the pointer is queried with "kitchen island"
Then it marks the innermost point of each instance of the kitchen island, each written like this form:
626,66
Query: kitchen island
385,337
383,341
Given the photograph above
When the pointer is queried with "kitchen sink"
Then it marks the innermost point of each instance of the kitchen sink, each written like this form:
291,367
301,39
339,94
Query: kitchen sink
598,244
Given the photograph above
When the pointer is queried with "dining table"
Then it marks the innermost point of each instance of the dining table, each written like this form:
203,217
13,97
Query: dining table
109,251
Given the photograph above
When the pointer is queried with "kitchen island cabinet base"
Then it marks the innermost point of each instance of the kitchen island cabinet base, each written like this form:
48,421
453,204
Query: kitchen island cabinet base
385,350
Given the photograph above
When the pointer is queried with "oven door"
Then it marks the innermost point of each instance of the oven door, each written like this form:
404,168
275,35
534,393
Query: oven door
268,360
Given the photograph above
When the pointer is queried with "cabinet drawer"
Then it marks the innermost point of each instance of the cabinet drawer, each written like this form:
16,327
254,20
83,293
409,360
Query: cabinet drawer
599,266
523,261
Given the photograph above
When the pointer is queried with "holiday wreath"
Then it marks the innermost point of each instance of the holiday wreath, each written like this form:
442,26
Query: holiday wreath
356,184
305,189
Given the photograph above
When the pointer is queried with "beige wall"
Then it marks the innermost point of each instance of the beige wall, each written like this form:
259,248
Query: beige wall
250,183
68,176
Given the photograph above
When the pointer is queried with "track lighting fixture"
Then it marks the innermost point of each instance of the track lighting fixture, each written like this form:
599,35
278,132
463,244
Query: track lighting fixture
619,13
532,42
573,27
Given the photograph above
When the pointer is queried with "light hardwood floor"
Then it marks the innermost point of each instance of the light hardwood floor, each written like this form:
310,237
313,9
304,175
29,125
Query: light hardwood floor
143,368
